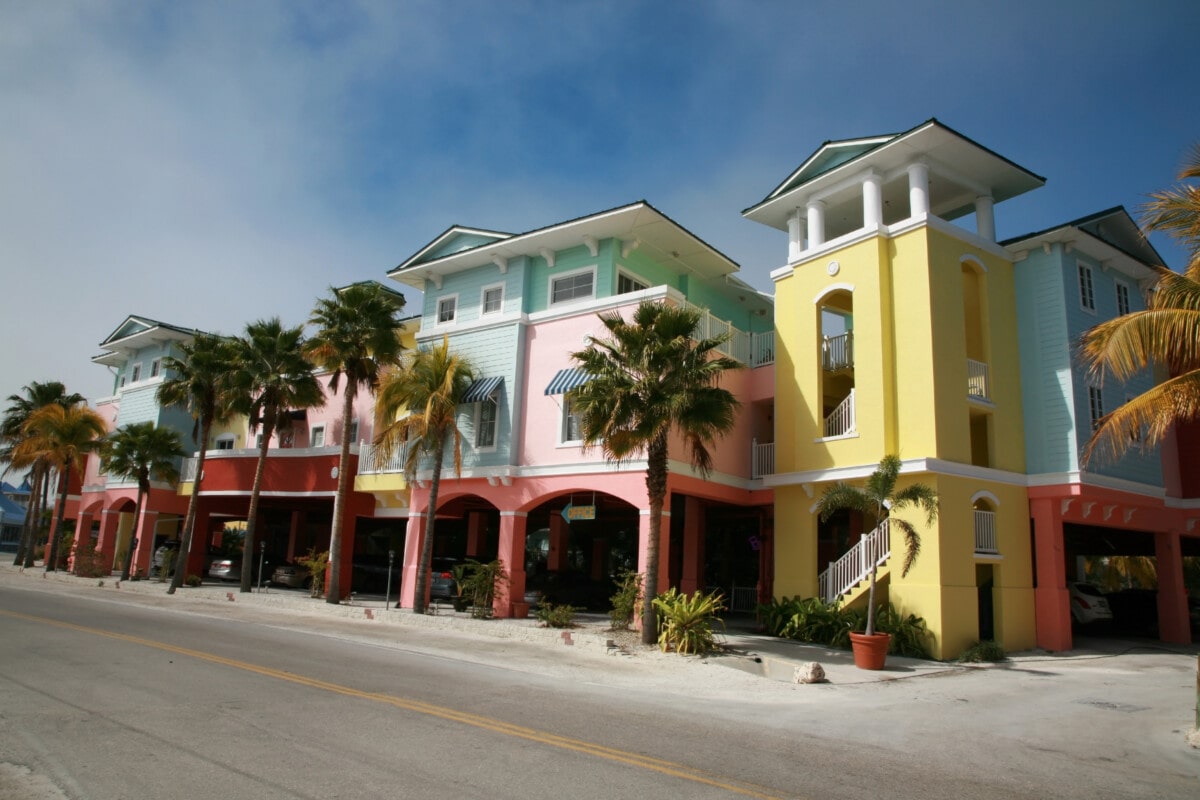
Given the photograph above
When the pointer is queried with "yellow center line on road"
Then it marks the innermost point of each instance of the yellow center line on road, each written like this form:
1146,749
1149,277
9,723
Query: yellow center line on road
475,720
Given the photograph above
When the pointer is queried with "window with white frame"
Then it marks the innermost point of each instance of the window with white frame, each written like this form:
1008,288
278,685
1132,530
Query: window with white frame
572,425
492,299
575,286
317,437
225,442
447,308
135,374
155,367
1095,405
1087,290
1122,298
627,284
485,424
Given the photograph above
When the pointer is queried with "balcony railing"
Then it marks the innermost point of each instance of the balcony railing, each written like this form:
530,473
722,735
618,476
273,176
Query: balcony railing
755,349
978,383
763,349
837,352
762,458
841,421
985,532
371,463
842,575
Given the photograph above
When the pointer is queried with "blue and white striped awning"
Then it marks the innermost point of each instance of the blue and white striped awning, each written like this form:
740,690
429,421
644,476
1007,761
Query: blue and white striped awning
482,389
567,379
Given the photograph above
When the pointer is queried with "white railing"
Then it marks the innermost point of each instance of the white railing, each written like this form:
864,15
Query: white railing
844,574
370,463
188,473
978,384
985,532
762,459
841,421
743,598
762,351
837,352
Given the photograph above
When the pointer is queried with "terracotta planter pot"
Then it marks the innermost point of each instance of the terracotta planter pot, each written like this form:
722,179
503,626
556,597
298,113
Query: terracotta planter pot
520,610
870,652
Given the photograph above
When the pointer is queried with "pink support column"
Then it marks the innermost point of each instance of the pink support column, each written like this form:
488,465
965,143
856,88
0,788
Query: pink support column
413,537
556,559
1173,623
145,547
693,546
1051,600
510,598
83,533
476,526
109,522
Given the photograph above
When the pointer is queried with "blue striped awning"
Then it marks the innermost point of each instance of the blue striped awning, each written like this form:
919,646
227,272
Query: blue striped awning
567,379
482,389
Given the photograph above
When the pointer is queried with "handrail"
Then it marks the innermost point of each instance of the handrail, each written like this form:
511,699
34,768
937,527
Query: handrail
842,575
841,421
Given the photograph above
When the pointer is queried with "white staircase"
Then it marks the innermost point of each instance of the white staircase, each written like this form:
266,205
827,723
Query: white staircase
848,571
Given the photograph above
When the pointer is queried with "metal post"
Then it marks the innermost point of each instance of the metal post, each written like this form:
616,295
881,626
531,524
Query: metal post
262,552
387,597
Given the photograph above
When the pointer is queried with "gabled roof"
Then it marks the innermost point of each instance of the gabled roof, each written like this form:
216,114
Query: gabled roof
1109,236
135,333
454,239
963,168
11,511
639,222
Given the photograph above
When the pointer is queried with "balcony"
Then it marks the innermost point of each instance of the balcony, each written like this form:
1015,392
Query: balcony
841,421
762,459
978,381
985,532
370,461
837,352
752,349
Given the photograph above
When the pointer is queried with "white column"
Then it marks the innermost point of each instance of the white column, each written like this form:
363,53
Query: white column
872,201
918,189
816,223
796,225
985,219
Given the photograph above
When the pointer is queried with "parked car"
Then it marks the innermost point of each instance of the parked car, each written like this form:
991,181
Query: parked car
293,575
441,578
229,568
1088,603
170,546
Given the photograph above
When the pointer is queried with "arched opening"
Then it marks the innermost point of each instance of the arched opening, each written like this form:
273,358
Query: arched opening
975,318
836,355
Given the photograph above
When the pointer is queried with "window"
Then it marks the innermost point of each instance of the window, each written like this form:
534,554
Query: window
576,286
493,299
1122,298
1095,405
1087,294
353,434
317,437
135,374
626,284
447,307
155,366
225,443
572,428
485,424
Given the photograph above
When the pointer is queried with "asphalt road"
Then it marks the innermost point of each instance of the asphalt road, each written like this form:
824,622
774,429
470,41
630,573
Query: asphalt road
115,699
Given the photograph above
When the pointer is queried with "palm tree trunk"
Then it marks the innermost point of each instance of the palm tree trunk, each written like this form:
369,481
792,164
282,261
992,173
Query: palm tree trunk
52,558
38,499
268,429
333,593
26,544
189,523
656,491
136,538
427,542
870,631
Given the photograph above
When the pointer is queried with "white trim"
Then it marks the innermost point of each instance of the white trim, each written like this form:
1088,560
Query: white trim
968,258
489,401
155,368
830,289
984,494
135,372
554,278
563,418
312,436
438,322
624,272
483,291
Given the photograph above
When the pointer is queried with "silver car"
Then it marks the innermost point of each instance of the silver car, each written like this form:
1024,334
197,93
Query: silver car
293,575
226,568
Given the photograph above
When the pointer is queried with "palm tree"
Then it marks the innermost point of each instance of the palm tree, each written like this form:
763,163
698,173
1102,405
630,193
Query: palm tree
273,378
61,437
199,381
358,335
879,499
1166,334
144,453
431,387
648,379
37,395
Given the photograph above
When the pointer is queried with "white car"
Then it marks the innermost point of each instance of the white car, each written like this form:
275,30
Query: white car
1088,604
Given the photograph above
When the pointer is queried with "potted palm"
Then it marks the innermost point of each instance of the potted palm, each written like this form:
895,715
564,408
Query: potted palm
878,499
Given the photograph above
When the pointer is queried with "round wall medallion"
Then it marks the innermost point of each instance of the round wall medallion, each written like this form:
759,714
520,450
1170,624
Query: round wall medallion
833,268
333,472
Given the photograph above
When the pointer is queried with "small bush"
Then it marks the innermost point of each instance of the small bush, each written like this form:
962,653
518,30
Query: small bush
552,616
982,651
192,580
89,563
478,583
164,569
910,636
685,623
315,563
813,620
627,599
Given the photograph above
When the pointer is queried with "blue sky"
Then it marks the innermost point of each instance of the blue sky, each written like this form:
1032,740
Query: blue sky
207,164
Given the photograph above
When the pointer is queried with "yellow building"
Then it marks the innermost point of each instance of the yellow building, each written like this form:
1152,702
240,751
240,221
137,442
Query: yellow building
896,332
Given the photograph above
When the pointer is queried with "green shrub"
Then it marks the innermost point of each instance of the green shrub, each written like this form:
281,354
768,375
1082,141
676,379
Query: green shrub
910,637
983,651
813,620
552,616
192,580
89,563
627,599
477,583
685,623
315,563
